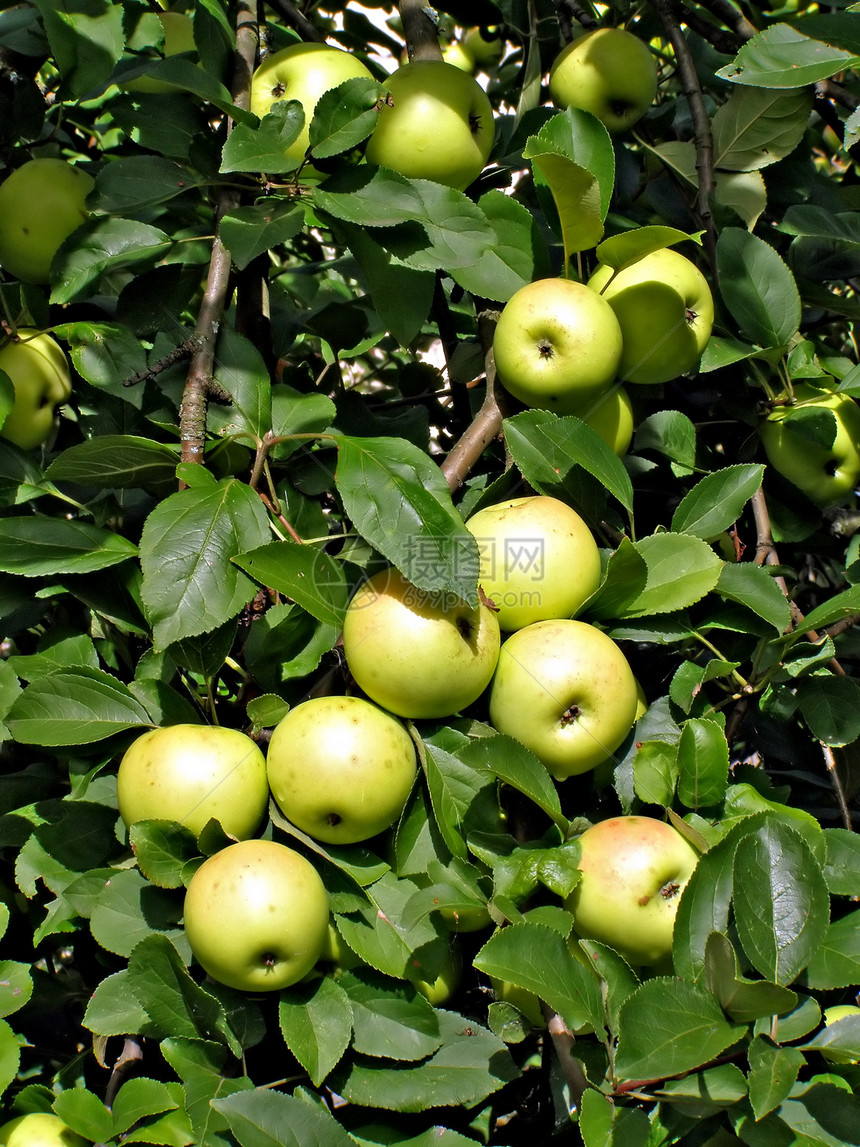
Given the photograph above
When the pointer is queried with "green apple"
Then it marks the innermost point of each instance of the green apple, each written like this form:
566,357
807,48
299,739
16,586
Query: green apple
39,371
522,999
302,72
178,38
608,72
437,124
557,345
665,310
455,52
41,204
256,916
337,952
565,690
194,774
418,654
538,559
611,416
827,475
39,1129
341,768
485,45
441,988
634,869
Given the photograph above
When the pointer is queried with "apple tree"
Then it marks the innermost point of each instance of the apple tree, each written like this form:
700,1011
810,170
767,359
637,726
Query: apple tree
283,380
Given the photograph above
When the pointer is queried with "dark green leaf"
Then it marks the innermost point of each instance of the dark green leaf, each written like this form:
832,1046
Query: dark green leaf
758,288
75,708
391,1020
251,231
344,116
773,1071
836,962
37,546
716,501
783,57
306,574
117,461
264,1118
703,760
316,1023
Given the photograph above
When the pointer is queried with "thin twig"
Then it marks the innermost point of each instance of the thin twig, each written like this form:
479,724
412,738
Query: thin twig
184,350
563,1041
701,123
130,1056
727,43
195,396
294,18
728,13
836,782
486,424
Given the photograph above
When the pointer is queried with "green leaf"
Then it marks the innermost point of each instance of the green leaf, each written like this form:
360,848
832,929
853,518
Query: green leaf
344,116
103,244
582,138
627,248
758,288
400,503
84,1113
306,574
113,1009
782,57
515,765
39,547
75,708
839,1039
668,1027
577,199
838,608
265,148
703,762
537,959
743,1000
316,1023
759,126
773,1072
670,433
655,772
376,932
162,848
546,447
117,461
190,584
471,1064
132,182
603,1123
16,986
241,372
453,785
265,1118
139,1099
517,257
247,232
783,911
391,1020
129,909
831,707
86,40
754,587
204,1068
836,961
10,1055
681,570
842,869
716,502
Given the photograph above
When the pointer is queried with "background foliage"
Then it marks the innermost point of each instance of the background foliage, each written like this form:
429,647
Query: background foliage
278,383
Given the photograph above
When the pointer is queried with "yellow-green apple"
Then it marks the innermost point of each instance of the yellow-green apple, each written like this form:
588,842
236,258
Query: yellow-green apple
665,310
302,72
566,691
178,38
611,416
833,1015
416,653
827,475
441,988
340,768
485,45
634,869
256,916
557,345
39,1129
39,372
193,774
539,559
608,72
436,124
455,52
337,952
41,204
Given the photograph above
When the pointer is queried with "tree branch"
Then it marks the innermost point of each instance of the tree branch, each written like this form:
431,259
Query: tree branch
198,383
420,31
294,18
729,14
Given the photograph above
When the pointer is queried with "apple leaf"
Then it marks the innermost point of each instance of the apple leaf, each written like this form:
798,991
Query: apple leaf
117,461
75,707
129,909
453,785
16,986
669,1026
537,959
190,585
577,199
104,243
753,587
247,232
782,57
515,765
742,999
782,914
36,547
759,126
316,1022
391,1020
716,501
580,137
603,1123
840,1039
836,961
470,1064
400,503
266,1118
773,1073
113,1009
842,868
518,256
344,116
703,763
138,181
758,288
629,247
162,848
85,1114
831,707
681,570
655,772
306,574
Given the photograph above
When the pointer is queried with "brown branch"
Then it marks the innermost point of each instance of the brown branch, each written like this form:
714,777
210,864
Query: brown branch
702,137
130,1056
184,350
420,31
836,782
728,43
729,14
486,424
199,381
569,12
563,1041
294,18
